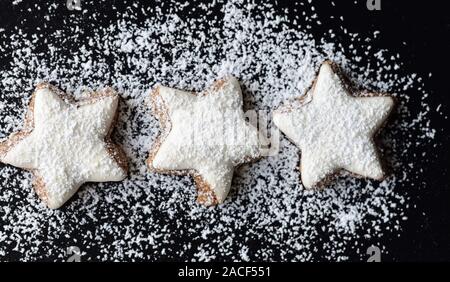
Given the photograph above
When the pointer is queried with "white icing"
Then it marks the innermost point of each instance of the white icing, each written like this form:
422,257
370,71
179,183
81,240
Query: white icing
208,134
334,130
66,147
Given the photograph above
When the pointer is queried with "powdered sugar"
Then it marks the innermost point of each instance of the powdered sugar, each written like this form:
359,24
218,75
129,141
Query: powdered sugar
208,134
66,146
268,216
334,129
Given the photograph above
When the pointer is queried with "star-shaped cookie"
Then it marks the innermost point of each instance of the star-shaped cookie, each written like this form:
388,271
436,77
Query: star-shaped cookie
334,129
205,135
66,144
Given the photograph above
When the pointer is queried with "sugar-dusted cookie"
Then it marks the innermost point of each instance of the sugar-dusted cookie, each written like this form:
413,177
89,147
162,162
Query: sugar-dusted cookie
334,129
204,135
66,144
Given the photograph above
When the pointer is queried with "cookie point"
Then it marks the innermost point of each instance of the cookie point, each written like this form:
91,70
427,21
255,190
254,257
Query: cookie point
110,92
390,100
230,78
53,205
43,85
306,182
327,66
277,117
155,91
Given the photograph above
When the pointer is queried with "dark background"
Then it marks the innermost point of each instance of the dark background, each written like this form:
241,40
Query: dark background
418,30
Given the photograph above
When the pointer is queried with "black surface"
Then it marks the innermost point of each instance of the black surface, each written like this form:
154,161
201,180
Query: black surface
418,30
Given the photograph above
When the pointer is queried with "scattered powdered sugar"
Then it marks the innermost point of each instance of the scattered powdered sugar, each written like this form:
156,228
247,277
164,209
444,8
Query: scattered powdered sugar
148,216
